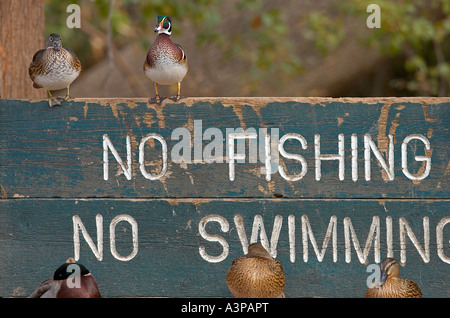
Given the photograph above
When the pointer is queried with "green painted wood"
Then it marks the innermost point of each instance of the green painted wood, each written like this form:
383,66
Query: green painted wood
38,234
61,148
52,176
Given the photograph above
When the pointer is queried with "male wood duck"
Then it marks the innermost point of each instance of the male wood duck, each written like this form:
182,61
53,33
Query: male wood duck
166,63
54,68
256,275
391,285
63,284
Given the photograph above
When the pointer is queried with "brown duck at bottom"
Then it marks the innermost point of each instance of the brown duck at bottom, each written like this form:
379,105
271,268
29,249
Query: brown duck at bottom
391,285
256,275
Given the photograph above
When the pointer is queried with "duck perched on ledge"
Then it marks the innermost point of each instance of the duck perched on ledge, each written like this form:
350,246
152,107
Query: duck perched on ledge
54,68
59,286
166,63
256,275
391,285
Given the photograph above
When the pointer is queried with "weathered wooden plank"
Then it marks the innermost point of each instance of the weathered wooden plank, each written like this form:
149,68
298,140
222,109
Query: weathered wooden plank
61,148
176,233
38,234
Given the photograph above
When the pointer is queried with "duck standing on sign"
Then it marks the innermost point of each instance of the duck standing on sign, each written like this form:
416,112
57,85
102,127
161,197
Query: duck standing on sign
54,68
256,275
166,63
391,285
70,280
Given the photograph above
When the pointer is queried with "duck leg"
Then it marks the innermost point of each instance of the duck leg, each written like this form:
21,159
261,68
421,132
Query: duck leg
157,99
178,97
67,94
51,98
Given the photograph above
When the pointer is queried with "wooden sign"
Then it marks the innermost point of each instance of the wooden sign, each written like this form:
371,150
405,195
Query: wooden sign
158,200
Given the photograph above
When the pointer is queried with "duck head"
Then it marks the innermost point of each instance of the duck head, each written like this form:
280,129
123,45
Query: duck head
389,269
163,25
257,250
70,280
54,42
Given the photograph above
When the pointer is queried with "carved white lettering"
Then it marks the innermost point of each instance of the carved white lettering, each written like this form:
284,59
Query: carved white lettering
292,156
405,229
370,145
350,238
142,159
232,156
374,235
319,157
440,239
224,227
331,233
112,236
98,250
107,144
269,150
78,225
425,159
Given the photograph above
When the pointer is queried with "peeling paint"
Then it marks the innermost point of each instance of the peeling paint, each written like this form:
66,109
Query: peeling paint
3,191
85,109
148,119
446,173
426,114
382,138
238,111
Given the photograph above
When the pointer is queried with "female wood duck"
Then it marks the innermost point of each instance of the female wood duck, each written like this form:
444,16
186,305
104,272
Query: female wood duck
256,275
391,285
54,68
63,284
166,62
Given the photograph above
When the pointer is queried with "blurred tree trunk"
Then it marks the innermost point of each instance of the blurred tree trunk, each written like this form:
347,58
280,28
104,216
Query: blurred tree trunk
21,35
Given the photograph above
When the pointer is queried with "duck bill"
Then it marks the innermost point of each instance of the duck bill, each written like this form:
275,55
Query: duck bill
383,278
159,27
57,45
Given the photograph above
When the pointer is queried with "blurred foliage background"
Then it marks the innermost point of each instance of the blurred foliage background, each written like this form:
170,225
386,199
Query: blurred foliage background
264,47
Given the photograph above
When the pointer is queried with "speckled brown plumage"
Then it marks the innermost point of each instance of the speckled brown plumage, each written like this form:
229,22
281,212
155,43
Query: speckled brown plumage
164,47
54,67
393,286
256,275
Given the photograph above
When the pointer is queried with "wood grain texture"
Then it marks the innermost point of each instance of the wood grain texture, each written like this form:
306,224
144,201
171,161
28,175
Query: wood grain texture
37,235
21,35
52,170
62,148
